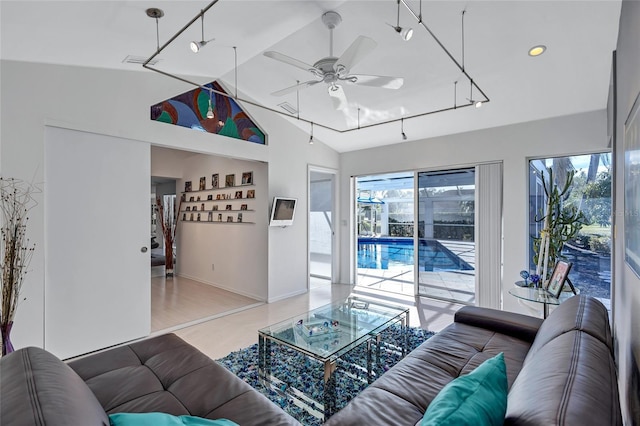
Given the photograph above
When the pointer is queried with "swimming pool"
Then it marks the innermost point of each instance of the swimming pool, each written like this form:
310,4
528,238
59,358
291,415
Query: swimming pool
385,253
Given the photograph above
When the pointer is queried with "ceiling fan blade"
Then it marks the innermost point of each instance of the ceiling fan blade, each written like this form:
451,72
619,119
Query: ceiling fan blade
295,87
375,81
360,48
292,61
338,97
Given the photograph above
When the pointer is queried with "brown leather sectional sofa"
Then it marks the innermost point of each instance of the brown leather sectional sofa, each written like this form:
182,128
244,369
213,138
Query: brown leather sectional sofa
560,372
163,374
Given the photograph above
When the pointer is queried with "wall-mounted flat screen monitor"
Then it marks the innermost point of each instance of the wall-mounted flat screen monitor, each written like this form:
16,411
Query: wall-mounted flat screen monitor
283,211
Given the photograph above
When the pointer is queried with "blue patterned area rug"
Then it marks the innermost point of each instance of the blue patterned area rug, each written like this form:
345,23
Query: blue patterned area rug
305,374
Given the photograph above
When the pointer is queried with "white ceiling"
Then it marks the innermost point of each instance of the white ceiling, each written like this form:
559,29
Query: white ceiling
571,77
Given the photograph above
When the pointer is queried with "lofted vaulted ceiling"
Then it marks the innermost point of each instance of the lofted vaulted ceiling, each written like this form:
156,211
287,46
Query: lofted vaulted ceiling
572,76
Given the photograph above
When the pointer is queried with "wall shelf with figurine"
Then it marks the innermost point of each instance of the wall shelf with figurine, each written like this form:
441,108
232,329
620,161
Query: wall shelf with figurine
201,208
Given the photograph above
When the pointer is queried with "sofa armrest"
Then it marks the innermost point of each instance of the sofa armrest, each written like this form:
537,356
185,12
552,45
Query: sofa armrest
516,325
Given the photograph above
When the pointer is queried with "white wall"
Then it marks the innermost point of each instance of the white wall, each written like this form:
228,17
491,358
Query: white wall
626,298
513,145
238,252
116,103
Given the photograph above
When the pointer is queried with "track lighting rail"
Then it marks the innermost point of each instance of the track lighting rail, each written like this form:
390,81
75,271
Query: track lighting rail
238,99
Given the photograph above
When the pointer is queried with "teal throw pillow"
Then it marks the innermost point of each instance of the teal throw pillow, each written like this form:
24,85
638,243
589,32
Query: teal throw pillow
163,419
478,398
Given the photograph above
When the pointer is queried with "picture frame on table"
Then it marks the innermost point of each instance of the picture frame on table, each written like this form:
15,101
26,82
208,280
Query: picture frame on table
215,207
209,197
243,207
203,183
247,178
251,193
229,218
214,180
187,186
228,207
230,180
238,194
558,277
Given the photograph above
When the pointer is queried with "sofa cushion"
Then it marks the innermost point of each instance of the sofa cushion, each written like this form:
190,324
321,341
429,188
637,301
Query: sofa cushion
166,374
478,398
39,389
571,380
581,313
401,395
523,327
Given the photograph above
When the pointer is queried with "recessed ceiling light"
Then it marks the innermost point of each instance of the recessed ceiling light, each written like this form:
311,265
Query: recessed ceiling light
537,50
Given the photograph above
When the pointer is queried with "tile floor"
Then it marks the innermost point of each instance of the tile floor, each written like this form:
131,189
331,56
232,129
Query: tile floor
217,337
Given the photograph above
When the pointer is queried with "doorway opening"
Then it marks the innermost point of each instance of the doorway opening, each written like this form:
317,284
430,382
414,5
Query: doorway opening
163,190
321,226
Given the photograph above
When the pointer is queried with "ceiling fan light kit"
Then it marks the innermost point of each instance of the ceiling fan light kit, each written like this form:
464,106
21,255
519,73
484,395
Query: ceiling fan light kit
334,72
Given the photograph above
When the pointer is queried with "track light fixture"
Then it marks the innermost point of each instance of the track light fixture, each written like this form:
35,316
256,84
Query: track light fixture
210,110
197,45
311,137
476,104
405,33
404,137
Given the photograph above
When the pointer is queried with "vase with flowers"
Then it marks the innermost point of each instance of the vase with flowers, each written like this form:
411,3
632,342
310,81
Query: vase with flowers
166,213
16,251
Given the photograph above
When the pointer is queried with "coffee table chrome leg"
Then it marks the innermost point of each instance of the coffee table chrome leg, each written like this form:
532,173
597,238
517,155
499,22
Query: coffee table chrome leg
264,357
405,331
378,343
369,360
329,388
261,362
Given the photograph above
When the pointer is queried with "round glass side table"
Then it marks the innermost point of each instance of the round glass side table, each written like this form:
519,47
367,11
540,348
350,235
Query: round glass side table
536,295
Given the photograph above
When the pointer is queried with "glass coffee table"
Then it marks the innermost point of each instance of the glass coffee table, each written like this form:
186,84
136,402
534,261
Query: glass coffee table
326,334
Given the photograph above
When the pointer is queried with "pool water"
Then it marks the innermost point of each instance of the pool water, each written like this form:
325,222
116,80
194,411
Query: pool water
386,253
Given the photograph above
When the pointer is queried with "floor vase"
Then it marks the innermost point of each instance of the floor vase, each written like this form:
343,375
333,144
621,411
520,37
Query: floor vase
5,330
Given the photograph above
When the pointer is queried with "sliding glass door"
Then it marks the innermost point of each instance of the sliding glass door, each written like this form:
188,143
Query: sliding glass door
446,234
434,233
385,228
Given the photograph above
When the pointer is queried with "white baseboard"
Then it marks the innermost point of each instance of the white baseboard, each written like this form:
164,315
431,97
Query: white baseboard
222,287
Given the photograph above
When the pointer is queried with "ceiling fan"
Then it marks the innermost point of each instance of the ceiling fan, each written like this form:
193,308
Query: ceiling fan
333,70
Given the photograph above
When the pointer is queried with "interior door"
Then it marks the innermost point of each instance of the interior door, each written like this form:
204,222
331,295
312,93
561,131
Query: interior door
97,274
